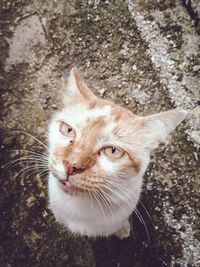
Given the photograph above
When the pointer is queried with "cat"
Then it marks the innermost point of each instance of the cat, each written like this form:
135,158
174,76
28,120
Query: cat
98,154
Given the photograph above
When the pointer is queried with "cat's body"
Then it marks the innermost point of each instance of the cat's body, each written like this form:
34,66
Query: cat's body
98,154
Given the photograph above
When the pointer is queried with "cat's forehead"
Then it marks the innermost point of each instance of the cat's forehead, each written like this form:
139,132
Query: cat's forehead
80,115
104,118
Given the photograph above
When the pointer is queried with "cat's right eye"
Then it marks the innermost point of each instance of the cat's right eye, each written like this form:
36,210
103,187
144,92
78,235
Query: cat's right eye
67,130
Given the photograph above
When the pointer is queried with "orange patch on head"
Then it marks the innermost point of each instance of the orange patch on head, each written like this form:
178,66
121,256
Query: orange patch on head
100,103
85,147
62,152
96,124
121,114
81,152
117,117
133,163
77,153
137,165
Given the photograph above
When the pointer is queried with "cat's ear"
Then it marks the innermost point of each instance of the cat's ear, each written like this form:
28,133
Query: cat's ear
76,88
157,127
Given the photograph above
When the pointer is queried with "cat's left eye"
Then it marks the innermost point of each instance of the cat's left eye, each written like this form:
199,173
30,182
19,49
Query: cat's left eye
67,130
113,152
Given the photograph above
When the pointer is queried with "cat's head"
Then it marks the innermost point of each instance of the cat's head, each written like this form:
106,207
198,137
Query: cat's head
95,144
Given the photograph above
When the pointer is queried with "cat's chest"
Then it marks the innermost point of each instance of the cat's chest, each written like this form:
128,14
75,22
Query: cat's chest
69,206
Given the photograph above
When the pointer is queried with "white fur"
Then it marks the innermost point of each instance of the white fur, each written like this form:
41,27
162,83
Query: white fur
80,216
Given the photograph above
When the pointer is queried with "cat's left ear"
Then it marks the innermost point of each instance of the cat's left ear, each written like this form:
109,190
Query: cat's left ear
160,125
76,88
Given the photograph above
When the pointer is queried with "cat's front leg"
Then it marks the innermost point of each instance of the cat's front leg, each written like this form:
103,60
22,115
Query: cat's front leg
124,231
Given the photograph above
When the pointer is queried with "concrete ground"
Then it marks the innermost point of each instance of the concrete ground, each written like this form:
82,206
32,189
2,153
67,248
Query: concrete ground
144,55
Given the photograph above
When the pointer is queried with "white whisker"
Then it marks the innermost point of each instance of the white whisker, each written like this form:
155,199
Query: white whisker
91,204
30,135
30,152
107,202
114,200
146,212
146,229
23,159
27,168
95,194
120,196
36,171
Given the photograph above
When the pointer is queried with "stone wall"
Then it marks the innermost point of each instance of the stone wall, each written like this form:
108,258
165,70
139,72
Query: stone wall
193,9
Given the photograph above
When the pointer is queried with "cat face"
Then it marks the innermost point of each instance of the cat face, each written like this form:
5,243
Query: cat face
96,145
94,139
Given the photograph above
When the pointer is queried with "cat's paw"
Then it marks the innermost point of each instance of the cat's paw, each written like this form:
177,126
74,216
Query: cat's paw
124,231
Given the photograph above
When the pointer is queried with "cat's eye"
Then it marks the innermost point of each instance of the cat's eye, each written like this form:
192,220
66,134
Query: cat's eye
113,152
67,130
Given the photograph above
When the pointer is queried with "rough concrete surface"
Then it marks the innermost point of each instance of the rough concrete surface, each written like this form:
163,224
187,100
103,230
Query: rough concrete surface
144,55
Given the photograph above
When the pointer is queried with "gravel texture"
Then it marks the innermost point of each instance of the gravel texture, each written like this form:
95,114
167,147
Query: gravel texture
144,55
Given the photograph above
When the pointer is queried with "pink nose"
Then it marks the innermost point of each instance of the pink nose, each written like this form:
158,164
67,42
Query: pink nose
69,168
72,169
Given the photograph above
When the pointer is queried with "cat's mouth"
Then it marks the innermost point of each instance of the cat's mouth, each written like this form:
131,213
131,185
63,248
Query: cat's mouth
69,187
66,185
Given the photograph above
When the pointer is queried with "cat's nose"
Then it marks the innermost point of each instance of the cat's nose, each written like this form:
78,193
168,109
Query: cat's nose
69,168
72,168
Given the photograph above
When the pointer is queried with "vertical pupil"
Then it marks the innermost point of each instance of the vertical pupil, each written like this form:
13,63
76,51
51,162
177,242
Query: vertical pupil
113,149
69,129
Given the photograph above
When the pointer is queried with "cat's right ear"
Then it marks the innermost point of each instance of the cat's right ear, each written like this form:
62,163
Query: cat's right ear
76,89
